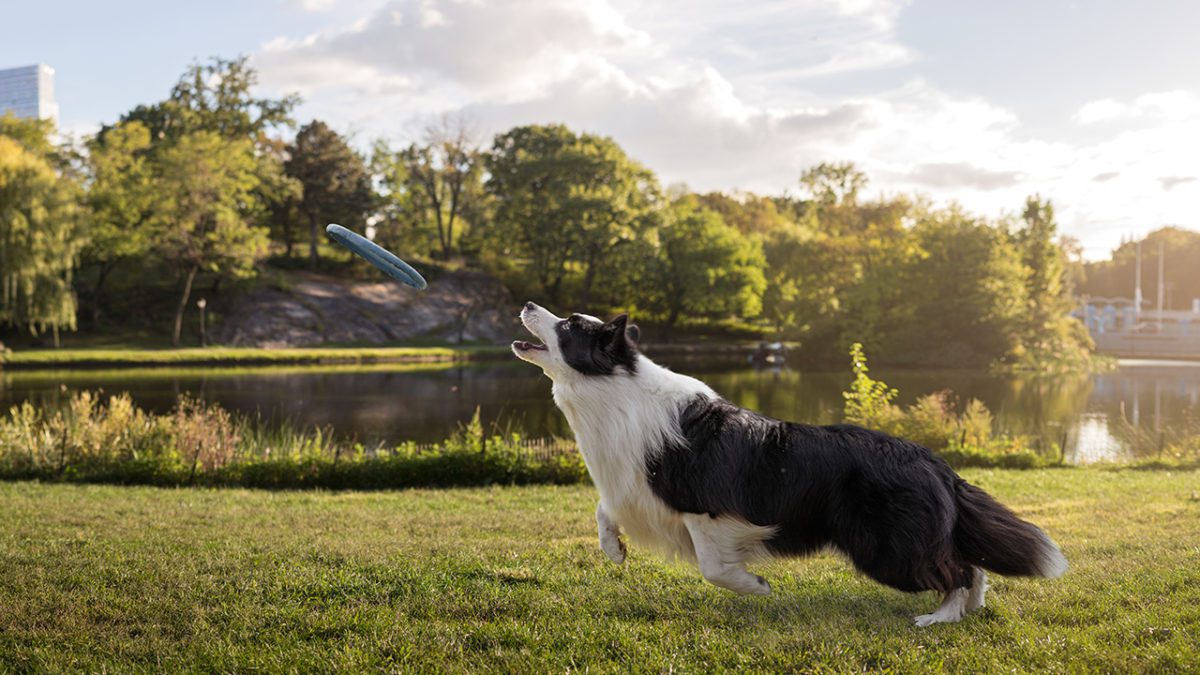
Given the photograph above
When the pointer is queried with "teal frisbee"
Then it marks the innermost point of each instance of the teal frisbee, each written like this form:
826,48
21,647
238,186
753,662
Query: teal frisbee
377,255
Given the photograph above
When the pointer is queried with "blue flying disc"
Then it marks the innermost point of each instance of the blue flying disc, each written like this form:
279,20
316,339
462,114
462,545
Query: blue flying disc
377,255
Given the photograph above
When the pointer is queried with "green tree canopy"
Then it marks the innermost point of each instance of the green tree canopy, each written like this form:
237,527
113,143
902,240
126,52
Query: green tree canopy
567,201
702,267
120,201
206,209
443,180
334,181
216,97
41,234
1050,334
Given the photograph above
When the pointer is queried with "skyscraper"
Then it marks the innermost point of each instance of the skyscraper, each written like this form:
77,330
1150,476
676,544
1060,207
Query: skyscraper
28,91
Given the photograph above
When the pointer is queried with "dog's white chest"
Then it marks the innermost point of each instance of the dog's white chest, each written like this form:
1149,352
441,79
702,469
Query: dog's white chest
614,435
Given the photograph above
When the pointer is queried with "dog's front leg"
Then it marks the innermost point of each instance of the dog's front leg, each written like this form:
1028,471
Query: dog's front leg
610,536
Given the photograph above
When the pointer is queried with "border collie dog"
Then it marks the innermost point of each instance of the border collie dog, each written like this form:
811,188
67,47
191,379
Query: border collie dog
685,472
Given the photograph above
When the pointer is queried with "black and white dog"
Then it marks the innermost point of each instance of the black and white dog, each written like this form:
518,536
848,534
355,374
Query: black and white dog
683,471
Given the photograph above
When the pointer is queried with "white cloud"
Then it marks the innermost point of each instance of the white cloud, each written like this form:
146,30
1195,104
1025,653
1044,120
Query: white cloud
1158,106
312,5
716,94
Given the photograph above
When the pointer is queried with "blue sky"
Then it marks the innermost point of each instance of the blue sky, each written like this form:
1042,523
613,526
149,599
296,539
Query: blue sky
1094,104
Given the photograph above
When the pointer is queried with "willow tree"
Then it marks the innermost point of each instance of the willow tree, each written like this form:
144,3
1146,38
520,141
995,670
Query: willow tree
40,239
206,209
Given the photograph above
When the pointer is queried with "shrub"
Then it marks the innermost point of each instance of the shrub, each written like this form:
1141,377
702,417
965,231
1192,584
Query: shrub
962,438
201,443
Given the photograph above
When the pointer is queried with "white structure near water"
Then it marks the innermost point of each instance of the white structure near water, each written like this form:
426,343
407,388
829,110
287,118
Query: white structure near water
28,91
1128,327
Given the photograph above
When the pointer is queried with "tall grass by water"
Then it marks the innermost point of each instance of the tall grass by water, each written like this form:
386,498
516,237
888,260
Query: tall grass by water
109,439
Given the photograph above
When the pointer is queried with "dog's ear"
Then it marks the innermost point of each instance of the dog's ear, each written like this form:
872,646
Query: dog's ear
616,326
619,326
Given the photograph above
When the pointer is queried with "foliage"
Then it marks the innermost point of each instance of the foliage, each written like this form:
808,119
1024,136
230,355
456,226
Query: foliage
41,231
1115,277
564,217
95,440
213,356
1051,338
701,267
335,185
215,97
434,185
962,439
206,210
120,201
965,293
566,201
868,401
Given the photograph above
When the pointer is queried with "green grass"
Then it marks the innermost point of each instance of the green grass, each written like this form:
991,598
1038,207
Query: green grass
58,358
102,578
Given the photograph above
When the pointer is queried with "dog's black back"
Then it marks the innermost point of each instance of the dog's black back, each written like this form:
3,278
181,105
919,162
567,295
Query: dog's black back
900,513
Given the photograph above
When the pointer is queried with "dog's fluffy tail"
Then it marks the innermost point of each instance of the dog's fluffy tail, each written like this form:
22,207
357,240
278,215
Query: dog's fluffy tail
987,534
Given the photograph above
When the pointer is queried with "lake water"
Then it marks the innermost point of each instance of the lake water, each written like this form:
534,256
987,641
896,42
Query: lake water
1101,416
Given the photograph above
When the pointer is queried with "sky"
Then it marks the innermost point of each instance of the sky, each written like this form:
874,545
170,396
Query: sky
1094,104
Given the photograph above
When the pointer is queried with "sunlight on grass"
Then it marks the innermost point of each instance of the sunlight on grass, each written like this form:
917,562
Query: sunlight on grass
98,577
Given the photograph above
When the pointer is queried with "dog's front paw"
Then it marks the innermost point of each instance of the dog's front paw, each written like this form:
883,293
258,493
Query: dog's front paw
614,548
763,587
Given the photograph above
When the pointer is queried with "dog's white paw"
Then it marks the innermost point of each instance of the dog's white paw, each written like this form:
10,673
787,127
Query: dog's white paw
763,587
614,548
937,617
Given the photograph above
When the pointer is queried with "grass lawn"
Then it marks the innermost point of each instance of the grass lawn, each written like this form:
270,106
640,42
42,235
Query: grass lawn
101,578
60,358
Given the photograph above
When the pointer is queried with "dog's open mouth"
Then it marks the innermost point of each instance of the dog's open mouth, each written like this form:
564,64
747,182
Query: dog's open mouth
529,346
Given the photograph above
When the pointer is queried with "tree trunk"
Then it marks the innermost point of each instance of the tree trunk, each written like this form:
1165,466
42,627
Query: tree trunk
589,276
315,226
312,244
105,268
183,300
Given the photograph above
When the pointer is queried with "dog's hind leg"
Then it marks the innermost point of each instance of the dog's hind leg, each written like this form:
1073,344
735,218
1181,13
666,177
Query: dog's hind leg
722,545
979,586
610,536
958,602
952,609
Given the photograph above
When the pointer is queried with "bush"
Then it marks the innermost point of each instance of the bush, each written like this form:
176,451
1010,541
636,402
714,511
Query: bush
962,438
201,443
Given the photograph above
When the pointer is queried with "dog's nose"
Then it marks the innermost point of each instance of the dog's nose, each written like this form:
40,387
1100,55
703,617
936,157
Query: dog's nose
530,306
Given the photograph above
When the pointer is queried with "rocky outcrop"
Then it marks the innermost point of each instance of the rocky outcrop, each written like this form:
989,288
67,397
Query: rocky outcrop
312,309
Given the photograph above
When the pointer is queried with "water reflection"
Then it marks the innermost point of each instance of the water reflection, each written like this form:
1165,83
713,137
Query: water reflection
1137,409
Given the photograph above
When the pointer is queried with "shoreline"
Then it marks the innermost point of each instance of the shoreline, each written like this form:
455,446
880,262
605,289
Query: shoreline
49,359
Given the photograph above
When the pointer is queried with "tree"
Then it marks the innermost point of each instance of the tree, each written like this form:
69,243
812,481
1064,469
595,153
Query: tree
335,185
443,178
40,235
964,293
205,209
120,201
564,200
834,184
215,97
703,267
1050,334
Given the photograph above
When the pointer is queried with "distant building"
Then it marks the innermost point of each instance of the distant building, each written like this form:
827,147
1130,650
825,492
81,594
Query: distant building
28,92
1119,327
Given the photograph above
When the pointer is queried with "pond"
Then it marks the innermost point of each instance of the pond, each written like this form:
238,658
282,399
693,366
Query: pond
1103,416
